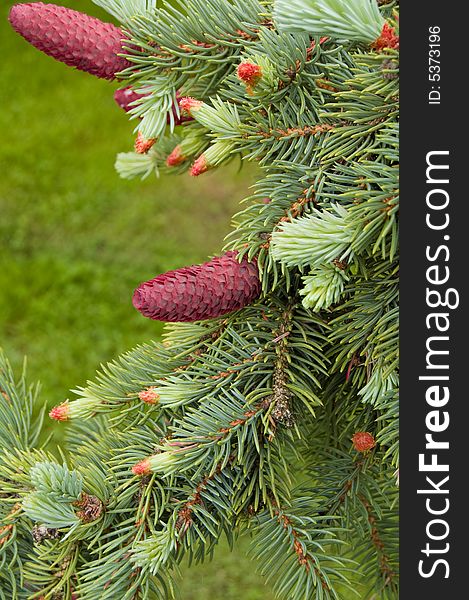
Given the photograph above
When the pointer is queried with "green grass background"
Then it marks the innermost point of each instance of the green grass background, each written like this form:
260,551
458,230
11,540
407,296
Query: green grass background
75,240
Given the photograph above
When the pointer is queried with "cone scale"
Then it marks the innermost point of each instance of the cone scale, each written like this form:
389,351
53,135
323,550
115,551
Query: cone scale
205,291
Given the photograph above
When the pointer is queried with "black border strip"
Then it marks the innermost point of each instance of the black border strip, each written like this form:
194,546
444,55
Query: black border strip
429,255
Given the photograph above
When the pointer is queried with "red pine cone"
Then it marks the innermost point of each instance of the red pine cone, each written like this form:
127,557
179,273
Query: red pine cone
215,288
125,96
363,441
71,37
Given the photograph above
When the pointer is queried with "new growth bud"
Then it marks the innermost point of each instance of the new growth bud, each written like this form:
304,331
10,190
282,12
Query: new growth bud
149,395
60,412
162,462
193,143
213,156
387,39
142,467
176,157
363,441
143,145
249,73
200,166
177,110
190,105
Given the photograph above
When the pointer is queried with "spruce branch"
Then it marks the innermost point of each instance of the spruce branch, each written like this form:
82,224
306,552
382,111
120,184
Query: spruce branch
356,20
319,238
125,11
288,545
18,428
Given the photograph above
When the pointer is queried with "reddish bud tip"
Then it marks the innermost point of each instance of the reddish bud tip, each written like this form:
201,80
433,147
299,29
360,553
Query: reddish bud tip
178,117
175,158
189,105
387,39
200,166
60,412
142,145
249,73
142,467
149,395
363,441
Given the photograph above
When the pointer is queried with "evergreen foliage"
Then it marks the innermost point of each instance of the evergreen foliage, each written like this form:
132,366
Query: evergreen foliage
242,423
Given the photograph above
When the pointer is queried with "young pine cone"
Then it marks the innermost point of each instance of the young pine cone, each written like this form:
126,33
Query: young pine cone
205,291
71,37
125,96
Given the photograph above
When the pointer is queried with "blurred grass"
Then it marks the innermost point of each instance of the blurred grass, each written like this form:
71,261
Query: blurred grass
75,240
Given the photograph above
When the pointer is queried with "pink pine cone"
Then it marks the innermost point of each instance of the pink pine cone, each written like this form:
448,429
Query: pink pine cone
71,37
215,288
125,96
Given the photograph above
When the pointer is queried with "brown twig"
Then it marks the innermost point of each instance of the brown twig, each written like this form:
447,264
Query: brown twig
294,211
383,558
184,518
304,559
